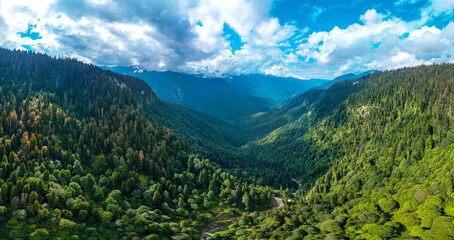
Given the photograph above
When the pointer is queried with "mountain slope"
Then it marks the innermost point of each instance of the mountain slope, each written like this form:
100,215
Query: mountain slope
374,156
228,98
209,136
276,88
264,123
329,83
342,78
259,125
214,96
79,160
213,138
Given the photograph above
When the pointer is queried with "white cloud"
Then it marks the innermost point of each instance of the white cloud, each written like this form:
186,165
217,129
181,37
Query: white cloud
438,7
418,33
371,17
187,36
404,59
158,35
378,44
448,32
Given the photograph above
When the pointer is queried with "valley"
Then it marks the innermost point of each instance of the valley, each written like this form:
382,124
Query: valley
349,161
226,98
373,155
107,171
348,185
226,120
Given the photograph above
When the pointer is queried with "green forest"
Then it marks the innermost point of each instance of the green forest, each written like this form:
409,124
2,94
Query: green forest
87,153
79,160
374,156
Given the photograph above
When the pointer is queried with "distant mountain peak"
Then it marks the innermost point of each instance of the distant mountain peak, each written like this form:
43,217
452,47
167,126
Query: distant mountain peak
138,69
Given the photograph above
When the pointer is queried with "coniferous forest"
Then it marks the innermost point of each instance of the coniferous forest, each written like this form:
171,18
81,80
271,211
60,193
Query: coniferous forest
375,156
79,160
226,120
91,154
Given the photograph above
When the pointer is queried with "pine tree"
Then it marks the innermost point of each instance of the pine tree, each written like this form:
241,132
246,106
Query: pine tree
157,198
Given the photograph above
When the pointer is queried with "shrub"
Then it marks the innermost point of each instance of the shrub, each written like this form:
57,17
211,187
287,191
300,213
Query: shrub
152,237
106,217
410,205
2,210
434,202
39,234
442,222
308,229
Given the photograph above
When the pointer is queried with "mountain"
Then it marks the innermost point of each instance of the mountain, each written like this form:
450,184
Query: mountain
214,96
276,88
329,83
89,153
342,78
82,158
207,135
373,155
260,124
225,98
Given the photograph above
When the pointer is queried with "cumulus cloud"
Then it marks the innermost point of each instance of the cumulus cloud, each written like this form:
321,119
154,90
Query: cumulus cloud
188,36
174,35
371,17
381,43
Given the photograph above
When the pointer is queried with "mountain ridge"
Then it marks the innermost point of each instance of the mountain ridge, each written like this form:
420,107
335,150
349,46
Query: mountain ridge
80,160
226,98
83,152
373,156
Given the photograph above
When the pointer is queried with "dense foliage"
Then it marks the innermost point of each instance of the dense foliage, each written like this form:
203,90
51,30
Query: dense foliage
84,154
216,140
79,160
384,148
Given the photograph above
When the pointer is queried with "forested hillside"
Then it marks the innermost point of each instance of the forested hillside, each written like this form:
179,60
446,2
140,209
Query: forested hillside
80,161
342,78
88,153
275,88
226,98
214,96
375,158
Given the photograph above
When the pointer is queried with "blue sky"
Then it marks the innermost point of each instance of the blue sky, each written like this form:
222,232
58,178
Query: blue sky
294,38
323,15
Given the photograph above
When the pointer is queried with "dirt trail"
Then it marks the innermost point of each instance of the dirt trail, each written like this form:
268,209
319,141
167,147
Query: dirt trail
214,226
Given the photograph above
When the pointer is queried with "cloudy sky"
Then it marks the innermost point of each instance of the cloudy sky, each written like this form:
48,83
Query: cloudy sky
304,39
